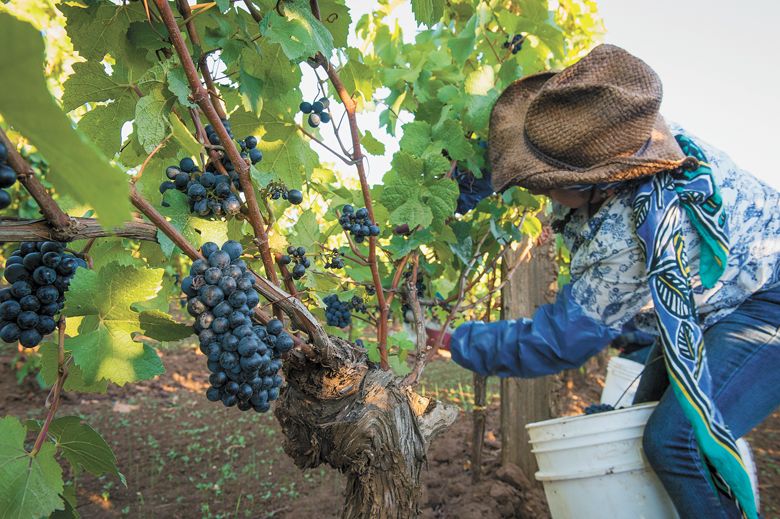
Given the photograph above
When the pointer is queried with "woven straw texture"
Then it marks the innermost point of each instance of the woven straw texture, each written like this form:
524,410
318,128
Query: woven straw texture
596,121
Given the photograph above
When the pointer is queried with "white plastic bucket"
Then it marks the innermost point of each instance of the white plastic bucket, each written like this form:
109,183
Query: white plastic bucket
622,375
592,466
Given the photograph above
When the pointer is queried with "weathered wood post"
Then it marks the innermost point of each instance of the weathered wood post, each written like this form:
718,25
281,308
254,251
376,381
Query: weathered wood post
527,400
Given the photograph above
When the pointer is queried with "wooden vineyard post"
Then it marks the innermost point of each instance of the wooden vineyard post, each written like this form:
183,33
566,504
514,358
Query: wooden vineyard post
525,401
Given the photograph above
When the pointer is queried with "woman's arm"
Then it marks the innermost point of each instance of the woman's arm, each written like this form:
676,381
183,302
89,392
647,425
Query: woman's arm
587,315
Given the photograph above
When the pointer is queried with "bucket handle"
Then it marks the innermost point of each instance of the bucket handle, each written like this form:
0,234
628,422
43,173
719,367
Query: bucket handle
635,379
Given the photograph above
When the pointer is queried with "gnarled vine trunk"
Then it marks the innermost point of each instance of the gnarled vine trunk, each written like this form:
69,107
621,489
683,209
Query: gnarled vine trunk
341,410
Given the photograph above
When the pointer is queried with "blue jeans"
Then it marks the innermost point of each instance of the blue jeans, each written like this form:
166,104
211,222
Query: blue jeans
743,351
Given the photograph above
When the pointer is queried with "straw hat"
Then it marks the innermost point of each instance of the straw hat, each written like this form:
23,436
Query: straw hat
596,121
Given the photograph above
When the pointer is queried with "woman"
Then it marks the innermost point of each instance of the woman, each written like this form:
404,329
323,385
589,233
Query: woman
667,237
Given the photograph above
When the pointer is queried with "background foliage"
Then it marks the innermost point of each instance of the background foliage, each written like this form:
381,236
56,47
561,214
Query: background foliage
106,98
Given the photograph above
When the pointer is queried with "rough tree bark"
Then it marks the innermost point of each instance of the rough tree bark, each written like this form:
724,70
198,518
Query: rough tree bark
341,410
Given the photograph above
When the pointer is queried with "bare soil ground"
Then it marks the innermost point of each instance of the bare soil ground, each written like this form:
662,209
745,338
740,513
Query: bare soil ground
186,457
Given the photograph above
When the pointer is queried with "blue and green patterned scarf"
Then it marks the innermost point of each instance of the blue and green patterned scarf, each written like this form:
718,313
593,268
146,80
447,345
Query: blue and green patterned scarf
656,209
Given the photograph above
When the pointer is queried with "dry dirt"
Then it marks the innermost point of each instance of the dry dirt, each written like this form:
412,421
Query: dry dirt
186,457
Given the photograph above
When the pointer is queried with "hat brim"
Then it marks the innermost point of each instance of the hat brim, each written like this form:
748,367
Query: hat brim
515,161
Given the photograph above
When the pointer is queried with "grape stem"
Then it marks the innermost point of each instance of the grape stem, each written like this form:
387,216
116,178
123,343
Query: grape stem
345,160
62,374
253,10
422,358
397,277
149,157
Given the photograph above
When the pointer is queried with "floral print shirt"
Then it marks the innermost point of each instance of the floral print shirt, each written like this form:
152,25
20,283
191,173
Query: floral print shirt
609,279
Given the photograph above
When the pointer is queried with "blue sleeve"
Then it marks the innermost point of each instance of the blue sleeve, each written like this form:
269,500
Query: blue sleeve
559,336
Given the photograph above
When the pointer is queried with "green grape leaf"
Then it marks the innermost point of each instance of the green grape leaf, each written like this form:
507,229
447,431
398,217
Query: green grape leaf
251,89
223,5
452,137
358,77
280,77
299,33
90,83
371,144
101,28
104,348
307,231
412,212
78,167
428,12
285,151
335,16
146,35
30,486
183,136
75,380
150,119
416,138
478,112
161,326
442,200
103,124
464,43
68,513
481,81
178,85
83,447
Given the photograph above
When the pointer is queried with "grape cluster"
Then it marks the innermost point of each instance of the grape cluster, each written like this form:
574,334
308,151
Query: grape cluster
357,223
7,177
516,43
296,255
208,194
212,193
277,190
472,189
39,273
337,313
598,408
248,149
317,111
244,359
248,145
333,260
358,304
